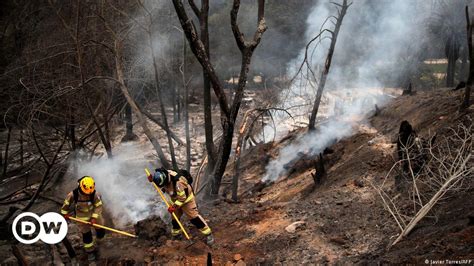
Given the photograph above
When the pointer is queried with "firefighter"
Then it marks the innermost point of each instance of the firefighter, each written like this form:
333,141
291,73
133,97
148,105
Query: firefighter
178,186
88,207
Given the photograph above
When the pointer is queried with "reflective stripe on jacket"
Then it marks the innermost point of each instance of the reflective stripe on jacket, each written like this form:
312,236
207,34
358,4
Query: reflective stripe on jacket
182,193
84,208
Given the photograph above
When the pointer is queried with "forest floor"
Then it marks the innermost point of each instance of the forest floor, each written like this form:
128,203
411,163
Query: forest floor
342,219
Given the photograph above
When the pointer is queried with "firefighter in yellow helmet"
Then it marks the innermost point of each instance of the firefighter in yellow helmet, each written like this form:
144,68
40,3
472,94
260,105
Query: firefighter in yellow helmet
178,186
87,207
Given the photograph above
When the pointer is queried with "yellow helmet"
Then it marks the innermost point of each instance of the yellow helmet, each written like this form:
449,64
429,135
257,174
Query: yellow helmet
87,184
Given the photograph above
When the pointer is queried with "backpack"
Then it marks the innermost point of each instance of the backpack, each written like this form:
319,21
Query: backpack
180,173
75,194
186,174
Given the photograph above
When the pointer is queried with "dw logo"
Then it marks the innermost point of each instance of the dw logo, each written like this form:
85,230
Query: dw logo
28,228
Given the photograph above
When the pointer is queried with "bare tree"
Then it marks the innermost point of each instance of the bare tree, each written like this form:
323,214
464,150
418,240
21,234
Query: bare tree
158,87
133,104
186,107
228,113
341,10
452,51
467,91
147,28
445,27
74,32
203,15
52,160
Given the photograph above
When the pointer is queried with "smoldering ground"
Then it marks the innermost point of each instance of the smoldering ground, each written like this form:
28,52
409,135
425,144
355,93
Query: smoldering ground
350,113
374,49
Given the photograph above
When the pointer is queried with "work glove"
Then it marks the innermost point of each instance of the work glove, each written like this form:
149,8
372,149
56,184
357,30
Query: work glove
150,178
93,221
66,216
172,208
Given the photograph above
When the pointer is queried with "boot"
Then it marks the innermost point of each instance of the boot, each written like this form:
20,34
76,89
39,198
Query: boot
176,234
91,256
210,240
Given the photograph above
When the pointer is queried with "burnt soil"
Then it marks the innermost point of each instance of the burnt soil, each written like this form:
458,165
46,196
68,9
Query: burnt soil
344,219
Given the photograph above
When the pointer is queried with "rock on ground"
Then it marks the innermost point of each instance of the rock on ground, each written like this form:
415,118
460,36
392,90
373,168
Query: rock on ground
151,228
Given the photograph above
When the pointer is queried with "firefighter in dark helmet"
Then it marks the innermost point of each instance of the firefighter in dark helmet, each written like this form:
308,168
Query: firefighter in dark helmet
178,186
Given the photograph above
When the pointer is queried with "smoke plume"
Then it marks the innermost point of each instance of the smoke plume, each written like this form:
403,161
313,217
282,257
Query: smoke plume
379,45
126,193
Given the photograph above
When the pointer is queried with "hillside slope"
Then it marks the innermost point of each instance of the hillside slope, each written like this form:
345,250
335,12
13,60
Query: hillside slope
342,220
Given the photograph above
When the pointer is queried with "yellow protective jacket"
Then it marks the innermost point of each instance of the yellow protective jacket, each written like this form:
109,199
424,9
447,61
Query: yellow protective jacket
86,207
181,192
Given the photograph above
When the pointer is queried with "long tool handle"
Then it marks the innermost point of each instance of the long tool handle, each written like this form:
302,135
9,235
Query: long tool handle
168,205
103,227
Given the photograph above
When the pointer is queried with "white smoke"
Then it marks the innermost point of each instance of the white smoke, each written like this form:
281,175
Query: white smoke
351,112
377,45
126,193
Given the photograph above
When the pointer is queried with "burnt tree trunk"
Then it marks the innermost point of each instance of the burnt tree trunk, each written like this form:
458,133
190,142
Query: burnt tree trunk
228,113
406,136
162,106
197,47
246,49
452,53
327,65
203,15
464,68
5,158
186,109
408,90
229,124
129,135
320,171
451,68
467,91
